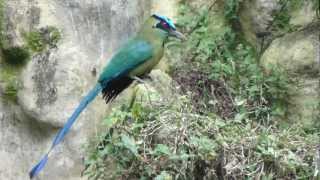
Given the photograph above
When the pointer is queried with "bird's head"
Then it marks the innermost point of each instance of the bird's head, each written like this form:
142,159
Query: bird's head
166,26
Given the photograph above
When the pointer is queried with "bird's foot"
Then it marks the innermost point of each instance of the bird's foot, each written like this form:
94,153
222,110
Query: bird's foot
147,76
145,85
139,80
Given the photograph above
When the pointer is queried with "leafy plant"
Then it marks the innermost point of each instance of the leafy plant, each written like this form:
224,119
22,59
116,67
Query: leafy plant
177,145
225,124
231,8
9,82
230,71
16,55
39,40
11,90
35,41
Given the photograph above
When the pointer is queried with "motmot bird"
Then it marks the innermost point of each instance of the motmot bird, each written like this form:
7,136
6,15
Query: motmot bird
133,60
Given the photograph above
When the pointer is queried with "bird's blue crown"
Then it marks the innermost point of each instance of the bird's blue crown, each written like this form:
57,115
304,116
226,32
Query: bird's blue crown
165,19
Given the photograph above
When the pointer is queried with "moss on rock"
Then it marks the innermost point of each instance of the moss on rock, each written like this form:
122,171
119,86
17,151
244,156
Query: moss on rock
44,38
16,55
295,54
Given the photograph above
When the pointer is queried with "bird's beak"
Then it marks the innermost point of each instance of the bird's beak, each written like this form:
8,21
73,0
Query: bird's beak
178,35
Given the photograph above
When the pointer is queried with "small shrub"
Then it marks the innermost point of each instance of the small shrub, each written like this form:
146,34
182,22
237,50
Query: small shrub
54,36
231,8
181,145
11,90
16,55
9,81
35,41
222,73
46,37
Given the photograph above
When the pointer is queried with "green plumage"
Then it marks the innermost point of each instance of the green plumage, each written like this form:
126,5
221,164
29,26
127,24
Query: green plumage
136,58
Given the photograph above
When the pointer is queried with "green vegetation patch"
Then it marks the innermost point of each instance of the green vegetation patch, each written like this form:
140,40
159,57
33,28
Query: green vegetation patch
9,81
169,140
39,40
13,58
221,70
281,18
227,123
16,55
35,41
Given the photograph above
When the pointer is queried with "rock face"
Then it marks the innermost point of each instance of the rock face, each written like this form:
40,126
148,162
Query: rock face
298,55
305,15
256,17
54,81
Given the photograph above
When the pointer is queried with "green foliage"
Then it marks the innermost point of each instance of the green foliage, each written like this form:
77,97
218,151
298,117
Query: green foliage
54,35
176,144
218,73
281,18
9,82
231,8
11,90
16,55
226,60
35,41
39,40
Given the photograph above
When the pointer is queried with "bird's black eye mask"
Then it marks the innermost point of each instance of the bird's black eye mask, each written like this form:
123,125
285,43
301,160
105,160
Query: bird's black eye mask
162,25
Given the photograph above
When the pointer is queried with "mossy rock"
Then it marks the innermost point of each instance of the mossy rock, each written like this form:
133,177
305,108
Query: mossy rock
39,40
296,55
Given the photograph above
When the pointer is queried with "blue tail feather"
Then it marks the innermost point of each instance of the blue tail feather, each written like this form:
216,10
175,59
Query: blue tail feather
37,168
62,133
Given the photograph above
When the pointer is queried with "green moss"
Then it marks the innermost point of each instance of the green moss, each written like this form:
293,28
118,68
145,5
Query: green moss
16,55
39,40
9,80
54,35
11,90
281,19
231,8
35,41
187,145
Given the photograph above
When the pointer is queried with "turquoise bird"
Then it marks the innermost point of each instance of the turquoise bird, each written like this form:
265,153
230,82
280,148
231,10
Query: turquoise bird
132,61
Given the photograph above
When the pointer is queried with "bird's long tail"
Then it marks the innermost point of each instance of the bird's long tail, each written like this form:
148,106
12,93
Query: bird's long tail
61,134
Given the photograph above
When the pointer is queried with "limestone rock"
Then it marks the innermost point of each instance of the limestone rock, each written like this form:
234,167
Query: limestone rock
305,15
154,90
256,16
298,55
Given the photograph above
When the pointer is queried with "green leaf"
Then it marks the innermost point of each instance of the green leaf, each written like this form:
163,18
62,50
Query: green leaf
162,149
129,143
164,176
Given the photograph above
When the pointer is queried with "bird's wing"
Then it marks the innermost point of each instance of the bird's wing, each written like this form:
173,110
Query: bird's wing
130,56
114,78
